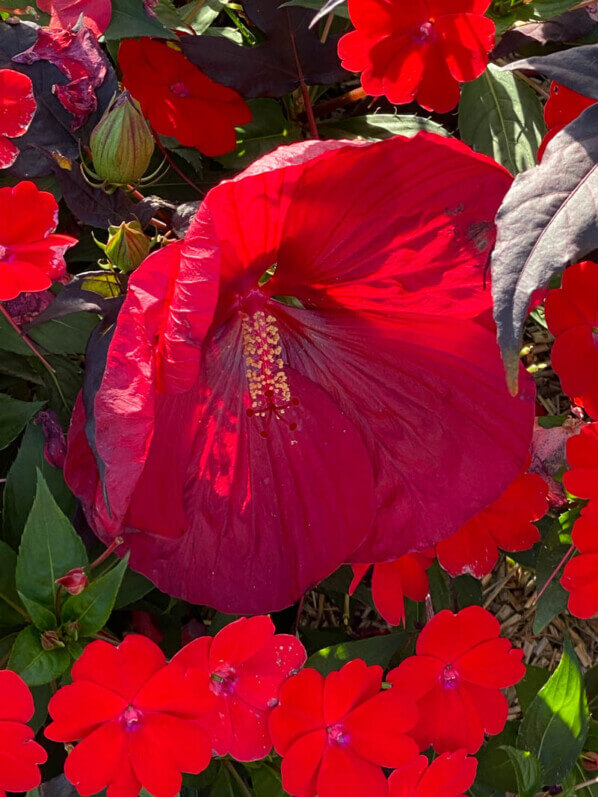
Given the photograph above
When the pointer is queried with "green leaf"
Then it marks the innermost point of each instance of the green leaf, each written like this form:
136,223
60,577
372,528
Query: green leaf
10,340
19,490
134,587
591,684
502,117
530,685
375,650
554,599
41,617
468,591
267,130
439,589
50,547
556,723
267,782
527,771
129,21
495,769
41,698
9,598
35,665
92,607
67,335
375,127
201,13
14,415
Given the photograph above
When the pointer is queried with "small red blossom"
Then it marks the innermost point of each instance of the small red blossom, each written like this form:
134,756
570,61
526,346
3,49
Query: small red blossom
74,582
179,100
246,663
582,454
17,109
421,49
31,254
392,582
572,317
449,775
580,576
20,755
67,13
136,717
460,666
336,733
562,107
506,524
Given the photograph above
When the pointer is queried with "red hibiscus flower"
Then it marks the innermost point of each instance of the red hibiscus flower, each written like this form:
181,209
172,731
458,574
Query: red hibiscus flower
20,755
461,665
393,581
572,317
506,524
179,100
17,109
137,719
582,455
66,13
336,733
421,49
246,664
252,443
562,107
580,576
31,255
449,775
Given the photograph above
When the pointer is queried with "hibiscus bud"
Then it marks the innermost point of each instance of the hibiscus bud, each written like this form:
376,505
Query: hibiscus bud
50,640
127,245
121,143
74,582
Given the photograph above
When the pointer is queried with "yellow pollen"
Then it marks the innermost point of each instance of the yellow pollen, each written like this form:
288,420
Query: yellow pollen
267,381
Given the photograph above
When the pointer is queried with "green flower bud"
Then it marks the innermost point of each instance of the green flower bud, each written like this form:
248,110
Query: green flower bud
127,246
121,143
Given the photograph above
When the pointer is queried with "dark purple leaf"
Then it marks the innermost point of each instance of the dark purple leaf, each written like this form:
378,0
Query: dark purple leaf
269,69
568,27
50,128
546,222
576,68
183,216
90,292
148,207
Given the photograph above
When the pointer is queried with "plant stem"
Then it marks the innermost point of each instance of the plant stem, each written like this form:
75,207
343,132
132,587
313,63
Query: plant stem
242,785
180,173
553,574
586,784
109,550
585,4
25,339
311,119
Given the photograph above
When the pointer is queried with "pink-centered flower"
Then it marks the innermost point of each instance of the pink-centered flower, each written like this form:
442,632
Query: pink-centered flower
449,775
305,380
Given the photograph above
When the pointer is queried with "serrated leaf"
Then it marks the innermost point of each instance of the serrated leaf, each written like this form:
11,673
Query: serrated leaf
378,126
9,598
576,68
14,415
556,723
527,771
92,607
50,547
501,116
546,222
35,665
375,650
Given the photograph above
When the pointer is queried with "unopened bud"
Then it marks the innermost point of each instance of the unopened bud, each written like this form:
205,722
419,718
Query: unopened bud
74,582
71,631
50,640
127,245
121,143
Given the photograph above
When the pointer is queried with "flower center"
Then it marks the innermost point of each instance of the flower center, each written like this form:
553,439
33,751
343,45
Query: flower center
223,680
425,34
180,89
131,719
264,368
337,734
449,677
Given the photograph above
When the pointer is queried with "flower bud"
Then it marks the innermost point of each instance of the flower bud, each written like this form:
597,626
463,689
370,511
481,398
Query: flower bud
127,245
121,143
74,582
50,640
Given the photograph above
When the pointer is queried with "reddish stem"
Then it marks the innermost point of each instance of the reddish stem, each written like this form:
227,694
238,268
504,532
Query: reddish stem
109,550
553,574
180,173
311,119
25,339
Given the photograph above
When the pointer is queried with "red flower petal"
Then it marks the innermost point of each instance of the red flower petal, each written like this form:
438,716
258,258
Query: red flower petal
377,729
66,13
492,664
582,454
17,103
16,702
300,709
467,39
301,763
240,640
170,689
347,688
449,775
9,152
97,760
344,772
79,708
448,636
19,757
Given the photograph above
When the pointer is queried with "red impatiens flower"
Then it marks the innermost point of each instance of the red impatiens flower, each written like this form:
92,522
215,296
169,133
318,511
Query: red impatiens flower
393,581
449,775
580,576
246,664
251,442
178,99
572,317
137,718
506,524
582,454
31,255
562,107
20,755
17,109
336,733
461,665
421,49
66,14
